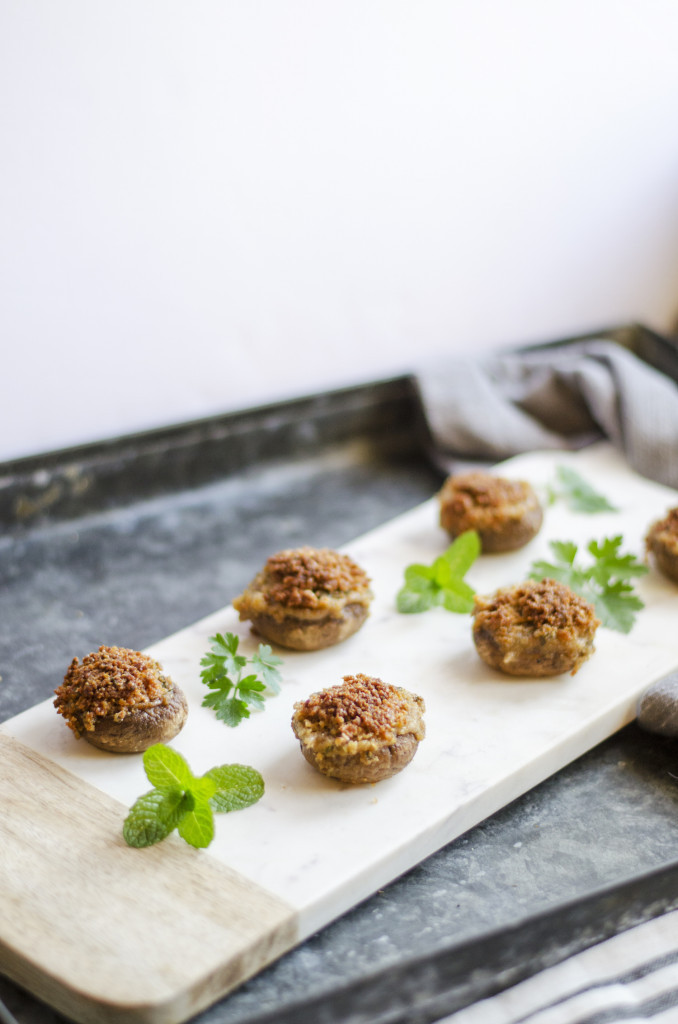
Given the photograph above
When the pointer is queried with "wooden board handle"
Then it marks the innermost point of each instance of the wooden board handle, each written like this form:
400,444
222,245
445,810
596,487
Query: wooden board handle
161,932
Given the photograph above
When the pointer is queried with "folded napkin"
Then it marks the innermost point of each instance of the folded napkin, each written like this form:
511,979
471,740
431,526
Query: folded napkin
631,977
553,398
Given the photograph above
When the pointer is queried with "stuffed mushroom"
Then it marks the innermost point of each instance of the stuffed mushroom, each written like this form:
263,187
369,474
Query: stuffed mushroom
120,700
534,629
662,544
306,598
505,513
363,730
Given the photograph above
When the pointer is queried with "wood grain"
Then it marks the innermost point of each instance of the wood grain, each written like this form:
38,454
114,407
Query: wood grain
149,936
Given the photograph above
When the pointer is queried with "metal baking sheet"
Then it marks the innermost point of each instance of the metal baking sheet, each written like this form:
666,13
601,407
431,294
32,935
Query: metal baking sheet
128,541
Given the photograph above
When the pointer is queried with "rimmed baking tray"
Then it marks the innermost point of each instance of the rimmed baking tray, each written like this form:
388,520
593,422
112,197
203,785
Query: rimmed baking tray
140,536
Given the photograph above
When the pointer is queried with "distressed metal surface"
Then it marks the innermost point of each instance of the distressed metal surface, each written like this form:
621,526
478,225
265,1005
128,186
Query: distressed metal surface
167,531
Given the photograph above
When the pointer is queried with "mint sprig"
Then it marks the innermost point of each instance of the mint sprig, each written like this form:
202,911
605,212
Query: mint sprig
578,493
442,583
604,582
233,695
182,801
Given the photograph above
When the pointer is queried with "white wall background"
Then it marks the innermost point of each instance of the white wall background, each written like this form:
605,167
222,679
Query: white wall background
209,204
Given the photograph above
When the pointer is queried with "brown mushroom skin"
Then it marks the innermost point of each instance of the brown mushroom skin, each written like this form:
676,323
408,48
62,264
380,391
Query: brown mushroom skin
120,700
512,535
308,635
535,629
362,731
139,730
662,544
367,766
506,514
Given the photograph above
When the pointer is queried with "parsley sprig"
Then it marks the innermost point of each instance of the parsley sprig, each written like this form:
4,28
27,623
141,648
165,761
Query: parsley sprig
233,695
442,582
578,493
181,801
605,582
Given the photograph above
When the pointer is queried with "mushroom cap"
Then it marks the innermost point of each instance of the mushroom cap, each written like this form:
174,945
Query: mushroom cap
367,766
139,730
662,543
536,628
361,731
505,513
120,700
306,598
311,634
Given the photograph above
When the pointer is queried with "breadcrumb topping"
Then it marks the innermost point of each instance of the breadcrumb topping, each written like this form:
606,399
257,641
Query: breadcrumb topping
506,513
362,708
665,532
306,581
545,606
297,577
482,489
110,683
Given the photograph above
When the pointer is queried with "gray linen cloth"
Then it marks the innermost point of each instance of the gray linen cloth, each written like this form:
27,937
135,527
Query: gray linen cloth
630,978
553,398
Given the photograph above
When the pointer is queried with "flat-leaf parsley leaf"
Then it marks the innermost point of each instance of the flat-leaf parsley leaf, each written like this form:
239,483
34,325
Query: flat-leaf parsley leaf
233,695
182,801
442,583
604,582
578,493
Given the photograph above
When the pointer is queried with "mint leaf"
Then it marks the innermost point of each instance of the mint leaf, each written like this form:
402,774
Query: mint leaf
237,785
458,596
419,577
197,825
456,603
411,602
442,572
152,817
189,807
204,788
166,767
579,494
233,696
603,582
463,552
441,583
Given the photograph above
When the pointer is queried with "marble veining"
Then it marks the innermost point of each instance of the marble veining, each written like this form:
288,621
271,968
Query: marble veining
322,846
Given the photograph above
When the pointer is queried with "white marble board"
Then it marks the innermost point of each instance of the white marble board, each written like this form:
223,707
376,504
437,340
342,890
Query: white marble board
320,846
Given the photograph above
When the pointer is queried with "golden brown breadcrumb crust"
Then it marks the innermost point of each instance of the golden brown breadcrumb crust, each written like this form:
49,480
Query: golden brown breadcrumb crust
298,577
471,500
506,514
363,731
360,716
534,629
664,532
546,606
111,682
361,707
305,582
480,488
